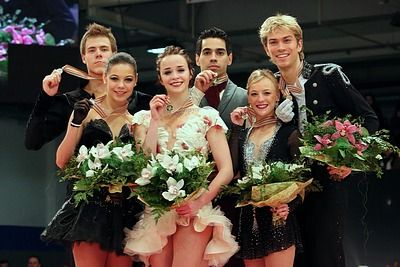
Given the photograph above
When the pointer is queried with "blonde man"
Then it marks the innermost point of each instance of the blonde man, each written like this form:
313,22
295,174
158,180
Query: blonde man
319,87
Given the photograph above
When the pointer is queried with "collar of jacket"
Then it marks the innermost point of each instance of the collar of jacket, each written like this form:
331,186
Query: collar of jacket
306,72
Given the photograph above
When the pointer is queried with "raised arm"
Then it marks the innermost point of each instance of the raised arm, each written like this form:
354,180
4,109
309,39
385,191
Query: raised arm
47,120
67,147
74,132
157,107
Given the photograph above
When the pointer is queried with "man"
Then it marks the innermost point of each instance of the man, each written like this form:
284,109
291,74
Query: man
33,261
212,85
51,113
214,88
320,88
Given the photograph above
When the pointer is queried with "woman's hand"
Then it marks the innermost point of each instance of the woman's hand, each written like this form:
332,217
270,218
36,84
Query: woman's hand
190,208
158,106
239,115
282,211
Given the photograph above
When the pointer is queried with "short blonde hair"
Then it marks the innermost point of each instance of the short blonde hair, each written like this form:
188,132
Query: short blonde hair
258,75
280,21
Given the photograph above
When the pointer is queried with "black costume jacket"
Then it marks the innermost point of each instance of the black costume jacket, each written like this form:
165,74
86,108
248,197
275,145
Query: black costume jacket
322,214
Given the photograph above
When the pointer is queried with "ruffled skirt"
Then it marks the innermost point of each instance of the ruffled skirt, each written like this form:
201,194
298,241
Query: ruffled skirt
101,220
148,237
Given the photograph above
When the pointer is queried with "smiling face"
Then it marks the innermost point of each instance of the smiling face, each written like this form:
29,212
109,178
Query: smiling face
262,97
214,56
121,78
97,52
283,48
174,74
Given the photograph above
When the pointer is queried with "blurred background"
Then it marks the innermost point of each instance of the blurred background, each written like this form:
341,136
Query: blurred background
363,36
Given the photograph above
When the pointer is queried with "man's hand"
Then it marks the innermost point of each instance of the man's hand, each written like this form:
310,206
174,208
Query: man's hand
204,80
51,82
284,111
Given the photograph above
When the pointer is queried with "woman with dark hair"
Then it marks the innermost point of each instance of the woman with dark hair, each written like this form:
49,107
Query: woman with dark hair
96,227
195,233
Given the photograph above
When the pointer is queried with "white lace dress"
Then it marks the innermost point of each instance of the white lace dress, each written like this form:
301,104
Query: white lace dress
148,237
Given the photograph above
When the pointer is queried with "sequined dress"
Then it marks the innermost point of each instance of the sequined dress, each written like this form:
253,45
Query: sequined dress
148,236
104,217
255,233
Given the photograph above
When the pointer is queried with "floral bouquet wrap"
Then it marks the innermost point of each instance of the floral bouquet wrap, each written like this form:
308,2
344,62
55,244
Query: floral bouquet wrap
271,184
172,178
345,146
113,165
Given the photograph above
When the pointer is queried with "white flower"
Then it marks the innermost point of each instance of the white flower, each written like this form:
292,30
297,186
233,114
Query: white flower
83,155
94,165
100,151
174,189
244,180
170,164
192,163
146,175
179,168
123,152
256,170
378,157
293,167
90,173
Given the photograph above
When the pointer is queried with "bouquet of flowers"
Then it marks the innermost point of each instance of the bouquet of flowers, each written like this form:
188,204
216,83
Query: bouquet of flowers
171,178
270,184
345,146
113,165
25,31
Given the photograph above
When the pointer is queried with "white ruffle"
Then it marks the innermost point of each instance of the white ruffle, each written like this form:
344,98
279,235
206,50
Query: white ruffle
148,238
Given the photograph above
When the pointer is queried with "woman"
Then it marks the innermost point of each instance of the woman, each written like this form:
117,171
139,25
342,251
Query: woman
261,243
96,227
194,234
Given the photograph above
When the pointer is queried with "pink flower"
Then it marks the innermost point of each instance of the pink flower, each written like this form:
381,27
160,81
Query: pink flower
3,53
345,129
360,146
26,31
327,124
40,37
339,173
27,40
323,141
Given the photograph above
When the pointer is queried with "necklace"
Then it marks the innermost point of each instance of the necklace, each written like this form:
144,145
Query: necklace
251,115
220,80
122,110
188,103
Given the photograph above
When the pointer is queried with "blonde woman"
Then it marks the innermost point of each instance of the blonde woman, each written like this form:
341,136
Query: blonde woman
261,243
